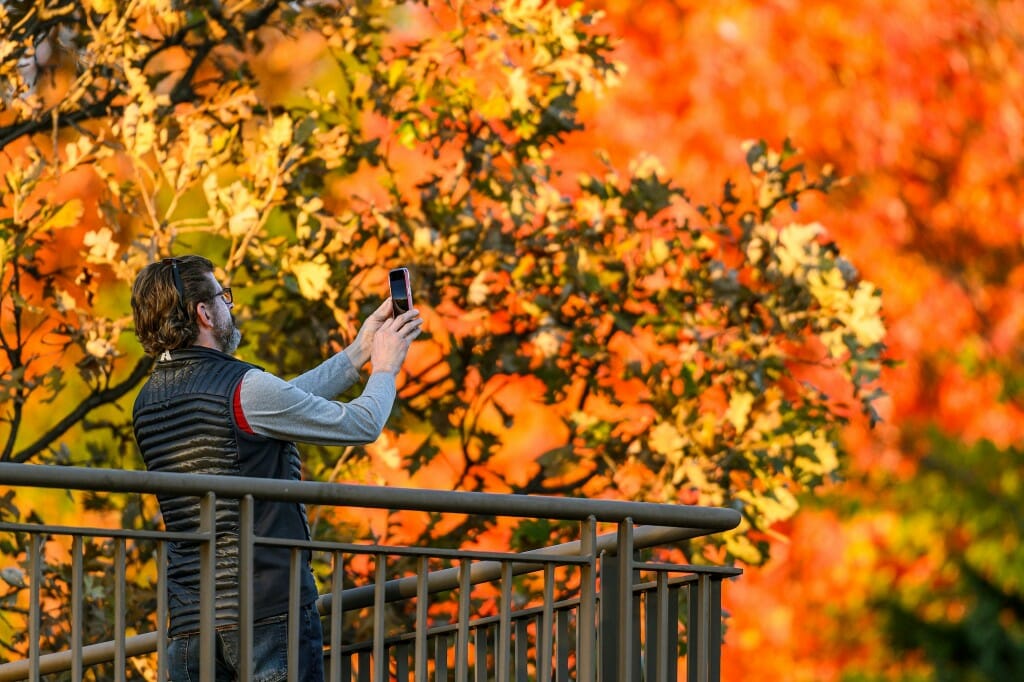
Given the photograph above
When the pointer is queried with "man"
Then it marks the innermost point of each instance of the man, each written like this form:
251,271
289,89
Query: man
203,411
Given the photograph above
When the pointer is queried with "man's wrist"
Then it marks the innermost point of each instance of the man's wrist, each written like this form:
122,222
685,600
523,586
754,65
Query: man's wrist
357,355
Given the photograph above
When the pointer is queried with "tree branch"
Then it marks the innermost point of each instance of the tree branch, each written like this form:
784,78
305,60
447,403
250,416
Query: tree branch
95,399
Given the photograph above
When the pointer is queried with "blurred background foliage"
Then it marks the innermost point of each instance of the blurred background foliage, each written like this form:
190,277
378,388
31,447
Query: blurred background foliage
593,328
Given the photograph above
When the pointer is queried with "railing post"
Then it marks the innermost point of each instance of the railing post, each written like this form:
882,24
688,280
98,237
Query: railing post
337,611
120,558
294,612
608,671
422,608
161,614
625,561
715,629
502,655
208,587
35,555
462,635
480,654
78,587
704,631
585,624
379,620
617,609
661,646
545,650
246,596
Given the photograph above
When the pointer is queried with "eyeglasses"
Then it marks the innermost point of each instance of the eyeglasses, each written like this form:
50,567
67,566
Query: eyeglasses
225,293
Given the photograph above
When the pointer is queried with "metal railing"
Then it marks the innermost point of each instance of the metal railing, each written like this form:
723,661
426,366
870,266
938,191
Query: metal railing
591,610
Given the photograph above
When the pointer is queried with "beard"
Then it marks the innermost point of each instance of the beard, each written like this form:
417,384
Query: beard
227,334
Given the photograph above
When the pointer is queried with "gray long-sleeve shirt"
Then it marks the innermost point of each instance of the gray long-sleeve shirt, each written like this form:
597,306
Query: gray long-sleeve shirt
303,410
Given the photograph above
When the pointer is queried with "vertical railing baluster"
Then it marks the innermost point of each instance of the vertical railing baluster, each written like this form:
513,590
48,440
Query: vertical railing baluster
672,607
493,642
714,638
346,667
502,652
441,658
544,648
462,636
704,620
35,560
422,604
294,612
664,643
562,646
162,622
697,630
379,621
365,673
337,612
77,590
402,662
609,623
636,629
522,649
650,645
480,637
585,628
120,606
246,594
625,559
207,587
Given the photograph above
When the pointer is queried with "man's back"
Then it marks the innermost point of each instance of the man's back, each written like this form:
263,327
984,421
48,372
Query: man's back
185,423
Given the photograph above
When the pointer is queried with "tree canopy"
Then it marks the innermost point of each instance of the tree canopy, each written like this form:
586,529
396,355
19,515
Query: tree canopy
592,328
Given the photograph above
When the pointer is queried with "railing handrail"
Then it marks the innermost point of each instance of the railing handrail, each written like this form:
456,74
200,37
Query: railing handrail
708,519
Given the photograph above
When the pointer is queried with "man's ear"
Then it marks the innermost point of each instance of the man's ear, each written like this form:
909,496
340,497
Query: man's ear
203,316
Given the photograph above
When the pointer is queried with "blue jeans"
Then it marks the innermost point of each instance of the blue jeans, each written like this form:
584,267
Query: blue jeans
270,651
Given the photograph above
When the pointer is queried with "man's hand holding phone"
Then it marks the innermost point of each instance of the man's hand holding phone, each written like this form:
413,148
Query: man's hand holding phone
392,339
396,322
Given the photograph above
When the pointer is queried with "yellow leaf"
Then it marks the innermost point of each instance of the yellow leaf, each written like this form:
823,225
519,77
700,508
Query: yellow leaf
102,6
67,215
312,278
241,222
102,247
865,317
739,409
666,440
407,134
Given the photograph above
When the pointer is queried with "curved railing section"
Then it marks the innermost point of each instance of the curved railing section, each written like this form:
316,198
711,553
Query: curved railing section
593,609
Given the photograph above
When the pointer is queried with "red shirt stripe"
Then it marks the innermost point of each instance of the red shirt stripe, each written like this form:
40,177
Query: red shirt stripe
240,419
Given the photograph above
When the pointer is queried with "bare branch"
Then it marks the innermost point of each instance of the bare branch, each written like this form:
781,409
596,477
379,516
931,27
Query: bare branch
95,399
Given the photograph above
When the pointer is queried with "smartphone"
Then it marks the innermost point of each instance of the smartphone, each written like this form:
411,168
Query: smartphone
401,290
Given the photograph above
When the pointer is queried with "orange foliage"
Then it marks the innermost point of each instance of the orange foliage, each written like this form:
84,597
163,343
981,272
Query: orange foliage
921,104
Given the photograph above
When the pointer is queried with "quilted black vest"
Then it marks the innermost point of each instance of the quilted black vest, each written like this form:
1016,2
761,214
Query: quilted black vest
184,422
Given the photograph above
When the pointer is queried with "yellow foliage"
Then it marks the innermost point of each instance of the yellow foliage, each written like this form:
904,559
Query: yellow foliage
797,250
313,278
101,244
738,413
67,215
311,162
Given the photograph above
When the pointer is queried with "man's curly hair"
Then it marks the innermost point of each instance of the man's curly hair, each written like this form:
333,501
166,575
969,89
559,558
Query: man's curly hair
164,319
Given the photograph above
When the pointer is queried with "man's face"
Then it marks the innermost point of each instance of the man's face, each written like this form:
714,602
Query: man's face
225,331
